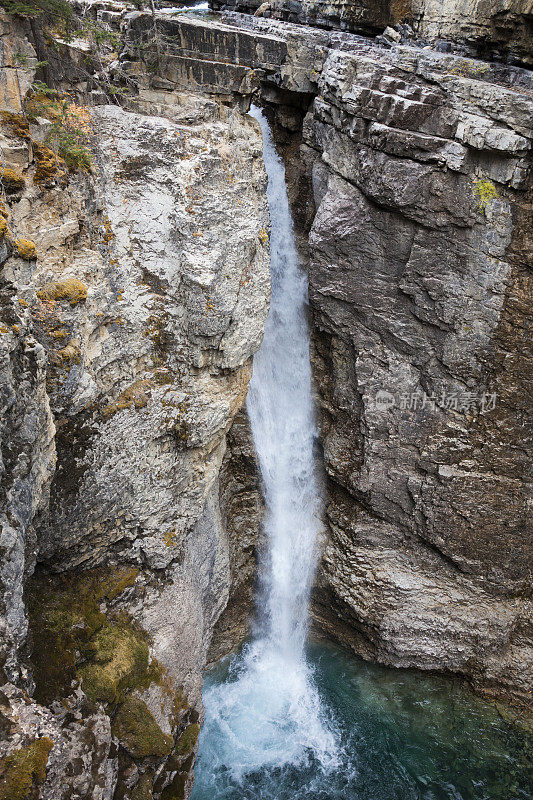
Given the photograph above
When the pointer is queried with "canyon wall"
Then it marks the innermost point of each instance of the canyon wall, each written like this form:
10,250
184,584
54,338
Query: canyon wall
501,30
410,176
133,297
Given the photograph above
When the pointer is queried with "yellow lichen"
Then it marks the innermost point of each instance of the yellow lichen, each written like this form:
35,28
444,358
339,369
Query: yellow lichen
171,538
69,289
263,236
134,397
60,333
485,191
108,231
26,249
4,229
11,181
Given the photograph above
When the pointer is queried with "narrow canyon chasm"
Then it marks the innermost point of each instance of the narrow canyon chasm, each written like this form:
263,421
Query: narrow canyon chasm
139,243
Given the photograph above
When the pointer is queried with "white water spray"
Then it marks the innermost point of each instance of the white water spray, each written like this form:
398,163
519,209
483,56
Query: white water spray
281,415
268,713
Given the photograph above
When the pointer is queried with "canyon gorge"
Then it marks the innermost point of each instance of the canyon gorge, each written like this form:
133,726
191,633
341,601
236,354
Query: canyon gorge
135,286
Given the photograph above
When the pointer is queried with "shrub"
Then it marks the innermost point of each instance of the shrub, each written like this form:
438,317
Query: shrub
33,8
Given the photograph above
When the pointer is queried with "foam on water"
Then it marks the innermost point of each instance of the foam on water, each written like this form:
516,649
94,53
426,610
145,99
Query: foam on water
267,713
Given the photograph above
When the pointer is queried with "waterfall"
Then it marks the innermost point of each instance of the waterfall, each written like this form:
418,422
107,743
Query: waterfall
282,420
267,714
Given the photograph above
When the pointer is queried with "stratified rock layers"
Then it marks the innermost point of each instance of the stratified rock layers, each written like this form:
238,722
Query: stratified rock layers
419,285
132,301
416,234
501,29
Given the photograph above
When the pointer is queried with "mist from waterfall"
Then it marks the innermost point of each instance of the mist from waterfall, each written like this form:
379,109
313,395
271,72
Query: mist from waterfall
268,713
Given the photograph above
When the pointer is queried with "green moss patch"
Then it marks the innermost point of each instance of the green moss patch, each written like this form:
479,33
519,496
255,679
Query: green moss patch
188,739
138,731
72,637
24,769
117,661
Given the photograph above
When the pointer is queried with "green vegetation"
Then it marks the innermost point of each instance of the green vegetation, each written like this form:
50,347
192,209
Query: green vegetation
135,726
23,769
188,739
34,8
66,620
71,126
48,166
485,191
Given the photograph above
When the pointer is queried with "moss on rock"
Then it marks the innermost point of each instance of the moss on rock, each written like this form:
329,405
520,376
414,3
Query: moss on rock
135,397
26,249
12,181
176,789
143,788
16,124
138,731
188,739
65,619
49,168
23,769
118,660
70,289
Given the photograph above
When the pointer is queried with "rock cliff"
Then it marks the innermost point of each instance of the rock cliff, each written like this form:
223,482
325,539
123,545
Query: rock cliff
501,30
133,297
410,176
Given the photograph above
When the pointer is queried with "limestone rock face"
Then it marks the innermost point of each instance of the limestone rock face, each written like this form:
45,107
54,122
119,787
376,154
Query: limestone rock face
129,317
410,178
418,274
501,29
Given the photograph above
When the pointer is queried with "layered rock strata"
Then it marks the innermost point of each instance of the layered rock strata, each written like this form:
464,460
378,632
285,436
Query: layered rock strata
132,301
500,30
414,193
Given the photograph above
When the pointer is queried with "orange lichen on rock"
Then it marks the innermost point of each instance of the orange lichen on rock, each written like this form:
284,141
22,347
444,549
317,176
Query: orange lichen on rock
26,249
70,289
12,181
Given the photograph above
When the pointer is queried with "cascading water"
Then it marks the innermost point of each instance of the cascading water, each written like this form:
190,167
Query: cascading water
269,710
274,718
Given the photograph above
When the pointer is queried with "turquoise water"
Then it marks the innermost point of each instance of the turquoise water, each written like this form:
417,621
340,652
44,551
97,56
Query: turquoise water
400,735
